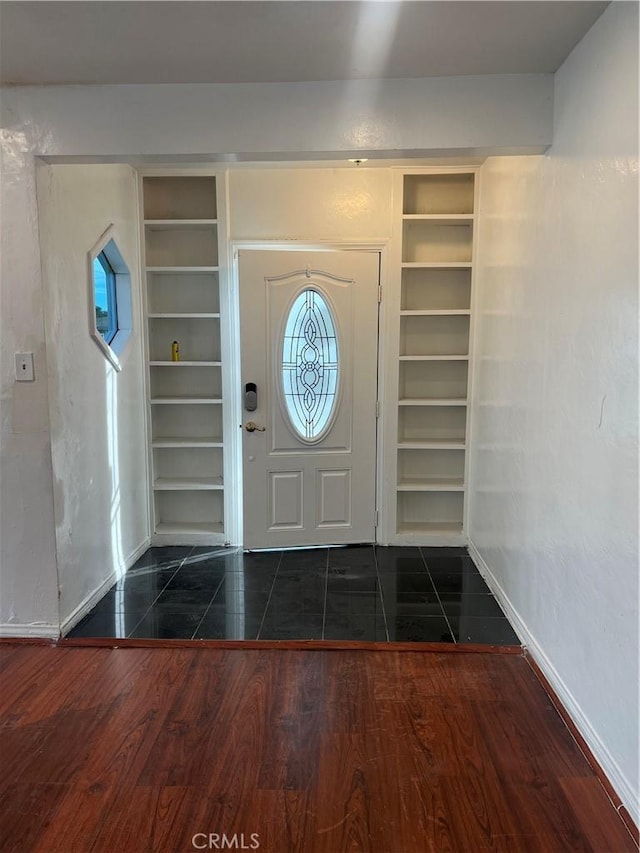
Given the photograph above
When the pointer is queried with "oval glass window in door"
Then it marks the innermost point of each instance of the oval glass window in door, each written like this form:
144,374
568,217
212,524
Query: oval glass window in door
310,368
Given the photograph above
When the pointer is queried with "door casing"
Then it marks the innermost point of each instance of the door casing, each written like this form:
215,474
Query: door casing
234,417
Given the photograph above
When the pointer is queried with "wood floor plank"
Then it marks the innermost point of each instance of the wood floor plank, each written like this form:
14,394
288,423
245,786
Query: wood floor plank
238,735
295,717
25,812
136,750
349,689
544,811
344,809
152,818
28,672
77,820
524,748
477,814
590,808
130,721
176,759
283,820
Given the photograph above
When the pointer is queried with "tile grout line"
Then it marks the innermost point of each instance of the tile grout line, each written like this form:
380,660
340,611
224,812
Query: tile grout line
384,609
273,583
444,613
324,602
208,607
153,603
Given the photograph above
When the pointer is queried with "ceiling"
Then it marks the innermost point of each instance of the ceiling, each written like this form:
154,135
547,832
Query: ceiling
248,42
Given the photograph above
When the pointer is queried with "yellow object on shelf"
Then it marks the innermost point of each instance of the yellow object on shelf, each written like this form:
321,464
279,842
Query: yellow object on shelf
175,351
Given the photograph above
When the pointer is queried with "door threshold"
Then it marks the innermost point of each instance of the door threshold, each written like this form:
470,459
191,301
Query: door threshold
289,645
307,547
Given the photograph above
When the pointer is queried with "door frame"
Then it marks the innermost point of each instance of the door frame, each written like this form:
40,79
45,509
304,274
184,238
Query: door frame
232,358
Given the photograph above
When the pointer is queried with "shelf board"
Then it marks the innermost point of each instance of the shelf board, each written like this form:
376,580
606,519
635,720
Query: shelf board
182,269
185,401
433,401
418,527
177,441
440,218
435,444
437,312
191,528
173,224
436,265
185,364
443,485
191,484
191,316
434,358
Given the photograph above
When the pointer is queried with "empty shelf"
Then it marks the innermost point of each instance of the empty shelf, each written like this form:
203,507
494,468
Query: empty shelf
183,269
174,224
433,401
193,528
185,364
183,401
432,485
431,445
178,441
434,358
435,527
180,484
436,265
440,218
190,316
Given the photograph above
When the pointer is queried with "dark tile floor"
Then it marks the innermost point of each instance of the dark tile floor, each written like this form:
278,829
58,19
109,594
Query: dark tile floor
366,593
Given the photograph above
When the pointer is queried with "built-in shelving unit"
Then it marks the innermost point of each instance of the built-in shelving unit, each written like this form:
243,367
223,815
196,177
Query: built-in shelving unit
433,354
181,247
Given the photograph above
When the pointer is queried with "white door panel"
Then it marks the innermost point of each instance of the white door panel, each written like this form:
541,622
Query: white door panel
309,467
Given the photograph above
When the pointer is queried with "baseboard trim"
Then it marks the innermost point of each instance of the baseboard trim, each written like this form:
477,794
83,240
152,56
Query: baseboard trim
604,765
13,630
583,745
90,602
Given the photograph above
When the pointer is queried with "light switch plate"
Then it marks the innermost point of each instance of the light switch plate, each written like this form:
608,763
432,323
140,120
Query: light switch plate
24,367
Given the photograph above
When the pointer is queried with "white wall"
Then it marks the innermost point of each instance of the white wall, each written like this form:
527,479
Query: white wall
98,433
465,115
554,512
28,583
311,204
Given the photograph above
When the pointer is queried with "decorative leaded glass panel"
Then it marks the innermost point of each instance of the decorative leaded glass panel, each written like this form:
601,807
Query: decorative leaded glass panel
310,365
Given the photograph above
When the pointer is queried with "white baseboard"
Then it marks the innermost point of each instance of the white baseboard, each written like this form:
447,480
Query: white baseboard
610,767
512,614
90,602
44,630
162,540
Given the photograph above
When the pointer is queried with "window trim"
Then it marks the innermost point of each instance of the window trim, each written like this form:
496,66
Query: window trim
116,347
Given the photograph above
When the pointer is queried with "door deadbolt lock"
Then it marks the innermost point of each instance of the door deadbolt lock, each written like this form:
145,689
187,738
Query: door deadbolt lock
250,397
250,426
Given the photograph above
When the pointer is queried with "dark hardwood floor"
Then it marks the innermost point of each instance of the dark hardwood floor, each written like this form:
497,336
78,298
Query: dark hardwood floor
112,750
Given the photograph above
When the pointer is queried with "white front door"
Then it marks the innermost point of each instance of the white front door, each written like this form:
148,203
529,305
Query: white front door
309,340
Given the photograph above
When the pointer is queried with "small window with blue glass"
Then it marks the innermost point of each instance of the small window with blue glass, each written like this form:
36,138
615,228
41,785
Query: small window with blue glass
104,289
110,314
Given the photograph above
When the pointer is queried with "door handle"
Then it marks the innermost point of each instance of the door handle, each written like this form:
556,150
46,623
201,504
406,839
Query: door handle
250,426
